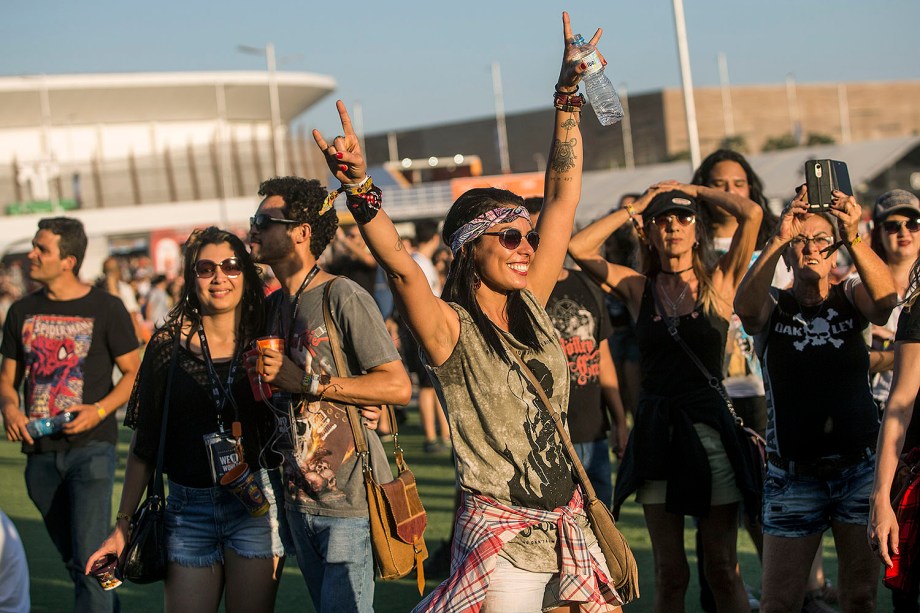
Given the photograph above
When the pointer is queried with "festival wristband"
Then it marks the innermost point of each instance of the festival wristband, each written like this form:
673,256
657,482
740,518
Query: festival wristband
100,410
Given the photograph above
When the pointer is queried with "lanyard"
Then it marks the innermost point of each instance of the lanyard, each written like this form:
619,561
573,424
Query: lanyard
290,334
219,393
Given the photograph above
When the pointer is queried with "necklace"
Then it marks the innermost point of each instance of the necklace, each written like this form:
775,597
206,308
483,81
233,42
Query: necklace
673,305
676,272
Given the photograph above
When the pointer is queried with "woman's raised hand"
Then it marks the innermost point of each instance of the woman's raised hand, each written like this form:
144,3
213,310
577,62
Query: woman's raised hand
848,213
572,68
343,155
790,223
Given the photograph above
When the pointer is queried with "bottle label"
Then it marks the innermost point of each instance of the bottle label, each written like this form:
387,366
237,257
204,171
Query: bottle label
594,63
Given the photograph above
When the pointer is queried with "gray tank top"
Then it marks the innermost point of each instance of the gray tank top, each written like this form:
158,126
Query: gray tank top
504,439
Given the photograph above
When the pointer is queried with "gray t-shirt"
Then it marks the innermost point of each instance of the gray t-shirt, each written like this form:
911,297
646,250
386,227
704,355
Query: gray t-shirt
505,441
322,475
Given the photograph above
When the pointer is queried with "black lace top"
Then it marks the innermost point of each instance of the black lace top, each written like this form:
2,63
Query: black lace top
192,414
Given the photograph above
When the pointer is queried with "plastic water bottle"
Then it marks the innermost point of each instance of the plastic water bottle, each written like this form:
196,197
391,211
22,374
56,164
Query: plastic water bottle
43,426
598,88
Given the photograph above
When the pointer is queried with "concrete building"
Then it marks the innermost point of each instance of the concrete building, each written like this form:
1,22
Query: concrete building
750,118
104,140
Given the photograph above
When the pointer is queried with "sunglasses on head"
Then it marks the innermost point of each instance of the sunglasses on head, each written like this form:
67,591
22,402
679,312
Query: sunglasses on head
260,221
893,227
231,267
664,220
510,238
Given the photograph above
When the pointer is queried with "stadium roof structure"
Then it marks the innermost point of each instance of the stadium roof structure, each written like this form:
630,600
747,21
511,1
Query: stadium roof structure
87,99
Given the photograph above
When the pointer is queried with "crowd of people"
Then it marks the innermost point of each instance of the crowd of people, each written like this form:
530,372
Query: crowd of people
684,313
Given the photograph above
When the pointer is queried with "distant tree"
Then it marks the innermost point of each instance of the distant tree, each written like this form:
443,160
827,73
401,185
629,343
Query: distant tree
775,143
735,143
815,138
678,156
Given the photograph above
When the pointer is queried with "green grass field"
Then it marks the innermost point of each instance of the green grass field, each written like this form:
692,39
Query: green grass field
52,590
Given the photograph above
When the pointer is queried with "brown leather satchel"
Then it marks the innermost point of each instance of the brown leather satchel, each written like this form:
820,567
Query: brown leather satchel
621,565
397,517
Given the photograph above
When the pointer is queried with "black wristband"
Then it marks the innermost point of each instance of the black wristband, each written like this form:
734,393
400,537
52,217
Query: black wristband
364,206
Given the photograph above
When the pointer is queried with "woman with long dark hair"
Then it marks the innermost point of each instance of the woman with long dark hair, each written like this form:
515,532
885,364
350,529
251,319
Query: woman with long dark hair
522,540
892,531
215,546
683,456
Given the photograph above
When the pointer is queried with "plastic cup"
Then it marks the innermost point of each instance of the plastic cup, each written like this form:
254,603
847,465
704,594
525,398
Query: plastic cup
105,571
261,390
240,481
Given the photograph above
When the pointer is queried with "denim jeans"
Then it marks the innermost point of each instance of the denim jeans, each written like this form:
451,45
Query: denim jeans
595,457
334,555
73,492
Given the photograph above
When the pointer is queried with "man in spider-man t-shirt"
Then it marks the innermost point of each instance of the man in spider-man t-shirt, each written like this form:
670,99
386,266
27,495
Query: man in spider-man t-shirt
59,346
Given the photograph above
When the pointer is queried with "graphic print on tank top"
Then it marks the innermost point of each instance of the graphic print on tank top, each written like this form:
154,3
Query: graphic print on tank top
825,327
546,458
576,326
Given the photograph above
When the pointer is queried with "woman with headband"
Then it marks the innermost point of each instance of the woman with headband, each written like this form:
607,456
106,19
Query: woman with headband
522,540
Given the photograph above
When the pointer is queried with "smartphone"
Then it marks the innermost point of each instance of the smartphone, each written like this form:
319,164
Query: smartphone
822,177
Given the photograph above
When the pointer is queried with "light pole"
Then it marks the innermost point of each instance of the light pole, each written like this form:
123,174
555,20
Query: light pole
686,79
500,118
269,53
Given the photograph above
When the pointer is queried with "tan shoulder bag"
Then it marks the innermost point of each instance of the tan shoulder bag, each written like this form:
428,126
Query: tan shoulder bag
397,518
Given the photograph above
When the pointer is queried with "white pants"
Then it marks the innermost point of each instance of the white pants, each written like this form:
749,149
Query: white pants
512,590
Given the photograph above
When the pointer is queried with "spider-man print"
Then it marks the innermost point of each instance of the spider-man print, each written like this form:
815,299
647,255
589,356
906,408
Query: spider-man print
55,353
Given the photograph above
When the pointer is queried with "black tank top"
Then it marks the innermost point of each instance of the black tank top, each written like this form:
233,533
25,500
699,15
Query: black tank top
816,375
667,370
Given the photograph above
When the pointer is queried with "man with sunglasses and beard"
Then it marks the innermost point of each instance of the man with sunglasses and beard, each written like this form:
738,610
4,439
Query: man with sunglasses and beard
60,344
325,500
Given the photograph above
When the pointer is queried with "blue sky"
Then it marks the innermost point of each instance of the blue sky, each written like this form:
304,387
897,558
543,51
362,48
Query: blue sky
415,63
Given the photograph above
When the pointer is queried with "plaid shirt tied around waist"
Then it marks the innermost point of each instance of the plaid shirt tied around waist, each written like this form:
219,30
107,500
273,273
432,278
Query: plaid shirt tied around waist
484,525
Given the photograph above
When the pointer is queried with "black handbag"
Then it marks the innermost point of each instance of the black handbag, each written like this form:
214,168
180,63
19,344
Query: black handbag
753,446
145,558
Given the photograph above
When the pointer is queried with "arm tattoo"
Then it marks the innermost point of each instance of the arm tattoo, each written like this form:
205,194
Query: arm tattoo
399,244
563,156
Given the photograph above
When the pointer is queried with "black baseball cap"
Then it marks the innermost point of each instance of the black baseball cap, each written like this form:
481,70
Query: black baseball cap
674,200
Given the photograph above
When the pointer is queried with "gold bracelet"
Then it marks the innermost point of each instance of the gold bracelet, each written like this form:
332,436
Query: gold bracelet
100,410
629,209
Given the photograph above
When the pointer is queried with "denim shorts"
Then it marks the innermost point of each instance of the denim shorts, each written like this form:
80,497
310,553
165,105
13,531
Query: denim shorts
795,506
202,522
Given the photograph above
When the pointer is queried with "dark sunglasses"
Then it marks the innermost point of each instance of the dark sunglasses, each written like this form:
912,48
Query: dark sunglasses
664,220
231,267
893,227
260,221
510,238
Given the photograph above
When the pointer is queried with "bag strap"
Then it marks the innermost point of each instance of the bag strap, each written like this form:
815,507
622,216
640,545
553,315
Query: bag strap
354,419
714,382
580,473
156,481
